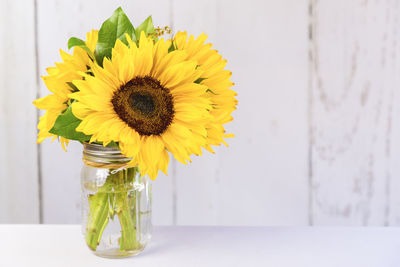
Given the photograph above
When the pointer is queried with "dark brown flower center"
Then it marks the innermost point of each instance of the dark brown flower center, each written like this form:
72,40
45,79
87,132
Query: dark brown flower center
142,103
145,105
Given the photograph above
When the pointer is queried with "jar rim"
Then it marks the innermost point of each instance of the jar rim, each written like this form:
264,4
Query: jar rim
94,154
93,147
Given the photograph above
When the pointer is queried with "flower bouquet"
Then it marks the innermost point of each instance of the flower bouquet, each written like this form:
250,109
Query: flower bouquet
133,98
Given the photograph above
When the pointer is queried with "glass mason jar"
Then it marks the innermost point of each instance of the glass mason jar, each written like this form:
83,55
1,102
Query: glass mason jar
116,203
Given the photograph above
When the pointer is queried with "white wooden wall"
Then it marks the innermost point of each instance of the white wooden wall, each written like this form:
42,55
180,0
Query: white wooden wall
317,128
354,112
19,172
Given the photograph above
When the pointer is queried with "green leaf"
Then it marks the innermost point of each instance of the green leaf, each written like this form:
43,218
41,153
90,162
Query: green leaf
112,29
73,87
172,47
146,26
209,91
65,126
113,144
199,80
73,41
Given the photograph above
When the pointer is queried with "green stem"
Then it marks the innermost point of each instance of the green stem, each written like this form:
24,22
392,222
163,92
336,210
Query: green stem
106,202
98,204
128,223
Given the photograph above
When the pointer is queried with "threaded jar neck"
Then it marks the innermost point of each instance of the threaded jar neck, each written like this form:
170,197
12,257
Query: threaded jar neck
98,156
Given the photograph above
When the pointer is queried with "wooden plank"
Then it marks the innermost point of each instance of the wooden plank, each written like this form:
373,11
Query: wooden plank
262,178
19,200
195,186
392,211
59,20
392,149
354,82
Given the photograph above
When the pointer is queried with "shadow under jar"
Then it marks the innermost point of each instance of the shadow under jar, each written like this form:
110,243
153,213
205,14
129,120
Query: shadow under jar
116,203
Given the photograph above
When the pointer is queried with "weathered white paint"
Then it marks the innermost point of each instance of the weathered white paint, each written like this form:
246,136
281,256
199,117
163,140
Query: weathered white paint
261,179
317,129
19,199
354,87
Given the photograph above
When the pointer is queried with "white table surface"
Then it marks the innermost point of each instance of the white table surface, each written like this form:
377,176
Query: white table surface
63,245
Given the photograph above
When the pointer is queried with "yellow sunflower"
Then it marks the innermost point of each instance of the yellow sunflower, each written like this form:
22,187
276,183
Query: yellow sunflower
216,79
146,99
57,83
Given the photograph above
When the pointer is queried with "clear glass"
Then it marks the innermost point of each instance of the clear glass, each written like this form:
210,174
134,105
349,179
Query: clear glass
116,203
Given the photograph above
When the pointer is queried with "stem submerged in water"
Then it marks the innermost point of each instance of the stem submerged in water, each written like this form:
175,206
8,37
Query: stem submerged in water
128,239
99,211
116,196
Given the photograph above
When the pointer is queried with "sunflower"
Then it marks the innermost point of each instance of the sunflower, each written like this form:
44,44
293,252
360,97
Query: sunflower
216,79
57,81
145,99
